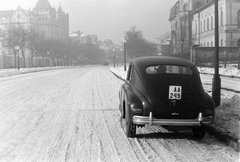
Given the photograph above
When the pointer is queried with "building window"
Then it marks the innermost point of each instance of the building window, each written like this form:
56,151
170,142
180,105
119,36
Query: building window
239,42
221,17
201,27
207,44
212,43
207,24
204,29
211,22
185,7
239,19
221,42
196,26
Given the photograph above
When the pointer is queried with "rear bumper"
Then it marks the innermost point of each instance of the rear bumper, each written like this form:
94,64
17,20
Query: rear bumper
200,120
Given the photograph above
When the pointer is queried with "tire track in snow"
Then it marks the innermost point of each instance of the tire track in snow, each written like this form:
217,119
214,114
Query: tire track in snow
55,117
112,122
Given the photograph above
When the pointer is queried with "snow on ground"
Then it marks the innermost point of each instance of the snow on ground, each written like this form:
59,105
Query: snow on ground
9,72
227,117
228,114
229,71
72,115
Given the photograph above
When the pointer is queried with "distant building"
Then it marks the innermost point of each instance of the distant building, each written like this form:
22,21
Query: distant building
82,38
193,24
180,24
18,16
51,22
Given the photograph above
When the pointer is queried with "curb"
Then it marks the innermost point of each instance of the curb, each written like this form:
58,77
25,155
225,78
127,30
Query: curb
119,77
224,137
33,70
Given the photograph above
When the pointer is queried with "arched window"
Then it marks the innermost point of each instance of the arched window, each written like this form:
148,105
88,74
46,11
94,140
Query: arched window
185,7
212,23
196,27
201,27
221,17
239,19
207,24
204,27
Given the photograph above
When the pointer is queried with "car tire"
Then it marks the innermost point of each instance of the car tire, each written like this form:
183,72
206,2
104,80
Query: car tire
198,132
130,129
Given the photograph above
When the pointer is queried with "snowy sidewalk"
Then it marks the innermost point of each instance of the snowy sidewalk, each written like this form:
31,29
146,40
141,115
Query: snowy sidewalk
10,72
226,126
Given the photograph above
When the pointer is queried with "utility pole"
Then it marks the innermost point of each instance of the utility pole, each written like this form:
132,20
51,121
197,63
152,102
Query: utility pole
216,85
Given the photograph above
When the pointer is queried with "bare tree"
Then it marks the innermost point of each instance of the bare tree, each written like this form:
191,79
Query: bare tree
15,39
33,43
166,44
139,46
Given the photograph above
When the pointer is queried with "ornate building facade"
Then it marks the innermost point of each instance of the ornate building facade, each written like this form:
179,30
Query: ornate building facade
51,22
203,24
46,20
192,24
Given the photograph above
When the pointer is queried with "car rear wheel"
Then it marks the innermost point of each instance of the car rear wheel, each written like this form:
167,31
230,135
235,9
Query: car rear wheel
198,132
129,128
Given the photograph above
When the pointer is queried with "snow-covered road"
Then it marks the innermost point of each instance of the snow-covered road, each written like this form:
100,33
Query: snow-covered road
72,115
229,86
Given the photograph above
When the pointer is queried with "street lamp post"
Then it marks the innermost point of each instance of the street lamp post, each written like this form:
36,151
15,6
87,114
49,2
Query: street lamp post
18,57
57,60
36,58
113,57
216,85
117,60
48,58
124,50
64,60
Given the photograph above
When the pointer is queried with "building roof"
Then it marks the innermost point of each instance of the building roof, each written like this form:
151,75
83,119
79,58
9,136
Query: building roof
60,9
43,4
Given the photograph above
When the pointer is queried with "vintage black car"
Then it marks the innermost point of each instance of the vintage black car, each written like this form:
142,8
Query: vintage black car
165,91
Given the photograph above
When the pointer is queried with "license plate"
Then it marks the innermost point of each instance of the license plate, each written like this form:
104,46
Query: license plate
175,92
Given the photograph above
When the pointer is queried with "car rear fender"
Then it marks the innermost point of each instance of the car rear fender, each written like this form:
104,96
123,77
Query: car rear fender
131,102
209,106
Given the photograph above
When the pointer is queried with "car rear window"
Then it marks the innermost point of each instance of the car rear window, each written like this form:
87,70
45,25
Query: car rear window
168,69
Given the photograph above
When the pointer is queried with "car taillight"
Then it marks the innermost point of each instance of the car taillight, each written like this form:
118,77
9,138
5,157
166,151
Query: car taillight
136,109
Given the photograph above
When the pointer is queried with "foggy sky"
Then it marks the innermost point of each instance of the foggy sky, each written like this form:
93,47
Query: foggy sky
110,19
